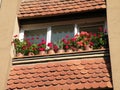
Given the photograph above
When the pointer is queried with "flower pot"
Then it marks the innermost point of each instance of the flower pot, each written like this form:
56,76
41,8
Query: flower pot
42,52
31,54
51,51
102,48
19,55
61,51
88,48
69,50
80,50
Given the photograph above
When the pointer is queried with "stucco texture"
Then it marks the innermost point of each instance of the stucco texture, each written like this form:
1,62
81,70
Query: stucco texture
8,14
113,17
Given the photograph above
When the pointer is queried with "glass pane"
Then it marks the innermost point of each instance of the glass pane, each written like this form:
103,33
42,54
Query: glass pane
35,36
59,32
91,27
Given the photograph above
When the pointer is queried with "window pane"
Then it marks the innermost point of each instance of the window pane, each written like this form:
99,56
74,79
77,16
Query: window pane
35,36
91,27
59,32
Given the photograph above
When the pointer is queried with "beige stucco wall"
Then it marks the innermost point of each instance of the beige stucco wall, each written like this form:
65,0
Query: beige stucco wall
113,15
7,24
15,32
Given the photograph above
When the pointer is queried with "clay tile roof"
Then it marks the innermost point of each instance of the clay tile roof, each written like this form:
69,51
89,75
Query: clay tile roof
42,8
61,75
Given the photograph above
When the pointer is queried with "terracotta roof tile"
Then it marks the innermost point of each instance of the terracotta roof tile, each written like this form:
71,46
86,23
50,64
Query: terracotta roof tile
42,8
61,75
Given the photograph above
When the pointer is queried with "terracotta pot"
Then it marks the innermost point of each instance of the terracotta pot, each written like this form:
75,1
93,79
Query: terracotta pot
19,55
80,50
31,54
88,48
61,51
51,51
102,48
42,52
69,50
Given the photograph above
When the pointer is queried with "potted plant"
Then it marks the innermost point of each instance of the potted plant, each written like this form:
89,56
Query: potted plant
100,40
60,47
67,44
73,43
51,48
42,47
32,50
18,46
83,41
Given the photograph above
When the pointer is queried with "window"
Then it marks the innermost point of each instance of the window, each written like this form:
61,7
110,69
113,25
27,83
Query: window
55,32
90,27
35,35
58,32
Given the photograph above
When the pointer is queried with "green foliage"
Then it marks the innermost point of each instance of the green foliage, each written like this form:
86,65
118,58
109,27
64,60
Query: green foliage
60,44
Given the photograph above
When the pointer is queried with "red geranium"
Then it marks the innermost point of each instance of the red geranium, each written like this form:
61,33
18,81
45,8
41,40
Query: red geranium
42,45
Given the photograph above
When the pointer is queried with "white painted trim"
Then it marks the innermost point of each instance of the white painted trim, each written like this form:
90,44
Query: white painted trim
49,33
105,27
76,30
21,35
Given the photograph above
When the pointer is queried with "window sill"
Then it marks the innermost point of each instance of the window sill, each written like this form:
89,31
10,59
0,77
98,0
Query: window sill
59,57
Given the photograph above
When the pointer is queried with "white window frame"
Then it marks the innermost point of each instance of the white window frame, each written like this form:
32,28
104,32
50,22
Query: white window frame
21,35
49,28
49,33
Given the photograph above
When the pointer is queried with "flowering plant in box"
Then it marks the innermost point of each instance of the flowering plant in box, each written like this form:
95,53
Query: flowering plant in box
52,46
99,39
33,48
19,45
66,42
42,45
83,39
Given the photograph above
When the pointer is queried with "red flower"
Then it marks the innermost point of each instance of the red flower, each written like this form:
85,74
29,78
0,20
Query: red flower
50,45
39,44
43,42
94,34
66,46
64,41
76,36
84,34
68,42
86,39
55,47
29,44
80,43
91,43
73,39
41,49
